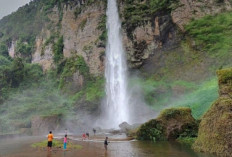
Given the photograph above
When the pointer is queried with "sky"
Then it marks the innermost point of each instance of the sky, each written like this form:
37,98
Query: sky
9,6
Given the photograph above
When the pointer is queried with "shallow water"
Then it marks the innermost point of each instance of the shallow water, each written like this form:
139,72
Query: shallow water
20,147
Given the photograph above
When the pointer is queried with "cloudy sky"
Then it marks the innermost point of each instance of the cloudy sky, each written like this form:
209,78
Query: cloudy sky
9,6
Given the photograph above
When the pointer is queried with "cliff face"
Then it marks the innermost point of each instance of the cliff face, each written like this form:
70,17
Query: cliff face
191,9
215,128
80,35
79,26
68,38
147,31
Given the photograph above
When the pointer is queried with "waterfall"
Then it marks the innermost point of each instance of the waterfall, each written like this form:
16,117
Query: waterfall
115,106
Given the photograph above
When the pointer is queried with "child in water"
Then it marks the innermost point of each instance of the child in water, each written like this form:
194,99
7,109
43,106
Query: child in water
83,137
65,142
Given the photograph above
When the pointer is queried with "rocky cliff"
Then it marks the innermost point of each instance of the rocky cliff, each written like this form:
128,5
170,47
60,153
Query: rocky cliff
81,27
80,36
165,40
215,128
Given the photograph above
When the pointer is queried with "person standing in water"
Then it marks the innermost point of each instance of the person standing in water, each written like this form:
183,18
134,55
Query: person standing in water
94,131
65,142
87,134
50,138
106,143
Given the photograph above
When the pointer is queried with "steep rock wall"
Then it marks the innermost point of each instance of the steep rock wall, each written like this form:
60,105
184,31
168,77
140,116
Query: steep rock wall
80,35
191,9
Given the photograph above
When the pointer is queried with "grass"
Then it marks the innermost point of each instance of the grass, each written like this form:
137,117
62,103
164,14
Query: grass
72,65
187,140
213,34
160,94
56,144
200,99
94,91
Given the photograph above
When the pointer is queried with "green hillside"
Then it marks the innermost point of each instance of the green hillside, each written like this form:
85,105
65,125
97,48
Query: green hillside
179,75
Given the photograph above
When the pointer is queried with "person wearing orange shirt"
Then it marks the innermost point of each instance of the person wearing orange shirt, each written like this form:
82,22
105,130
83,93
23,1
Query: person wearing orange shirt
50,138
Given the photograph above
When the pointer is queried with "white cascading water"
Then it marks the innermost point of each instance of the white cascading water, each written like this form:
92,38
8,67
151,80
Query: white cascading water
116,105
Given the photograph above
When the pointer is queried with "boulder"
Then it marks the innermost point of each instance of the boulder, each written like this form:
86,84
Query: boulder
130,130
225,82
215,130
170,124
125,127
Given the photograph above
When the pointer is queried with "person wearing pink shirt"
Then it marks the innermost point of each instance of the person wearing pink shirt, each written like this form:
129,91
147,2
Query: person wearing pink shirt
65,142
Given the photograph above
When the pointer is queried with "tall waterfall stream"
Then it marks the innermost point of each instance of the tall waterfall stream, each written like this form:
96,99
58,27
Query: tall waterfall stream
116,104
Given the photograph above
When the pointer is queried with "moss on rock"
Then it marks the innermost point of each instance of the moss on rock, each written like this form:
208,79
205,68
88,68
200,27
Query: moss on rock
215,131
225,82
171,124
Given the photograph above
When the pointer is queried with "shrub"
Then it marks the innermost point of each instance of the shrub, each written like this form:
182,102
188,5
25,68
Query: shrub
72,65
136,13
3,50
58,50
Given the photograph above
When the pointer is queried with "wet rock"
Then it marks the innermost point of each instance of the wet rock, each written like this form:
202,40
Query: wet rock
130,130
170,124
125,127
215,134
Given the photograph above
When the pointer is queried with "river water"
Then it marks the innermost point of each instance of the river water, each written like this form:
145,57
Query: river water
20,147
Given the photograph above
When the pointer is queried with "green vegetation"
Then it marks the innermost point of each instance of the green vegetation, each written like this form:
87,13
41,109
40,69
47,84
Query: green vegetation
102,27
3,50
200,99
25,49
83,23
171,124
93,91
137,12
56,144
187,140
215,127
225,76
12,74
77,12
24,24
58,50
48,41
153,130
20,101
213,34
26,102
71,66
161,94
87,3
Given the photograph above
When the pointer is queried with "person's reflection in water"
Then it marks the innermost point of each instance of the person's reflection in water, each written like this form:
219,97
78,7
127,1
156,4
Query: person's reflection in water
49,154
106,154
64,154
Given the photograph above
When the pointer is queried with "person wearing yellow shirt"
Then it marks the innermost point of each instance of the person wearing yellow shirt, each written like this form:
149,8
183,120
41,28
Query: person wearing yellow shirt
50,138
